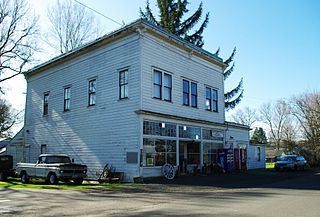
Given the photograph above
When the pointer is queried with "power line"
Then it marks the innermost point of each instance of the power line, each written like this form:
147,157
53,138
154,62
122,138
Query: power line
101,14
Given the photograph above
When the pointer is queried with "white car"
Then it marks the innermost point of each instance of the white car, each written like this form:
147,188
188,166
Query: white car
290,162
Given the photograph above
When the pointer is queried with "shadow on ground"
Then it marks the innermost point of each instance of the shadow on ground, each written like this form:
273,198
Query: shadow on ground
307,180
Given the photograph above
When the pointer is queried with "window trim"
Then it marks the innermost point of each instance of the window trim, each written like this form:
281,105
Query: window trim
161,85
196,95
167,87
211,100
215,101
125,84
185,93
189,93
45,108
65,109
93,93
154,71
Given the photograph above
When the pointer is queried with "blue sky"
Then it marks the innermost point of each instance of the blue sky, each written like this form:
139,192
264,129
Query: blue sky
278,42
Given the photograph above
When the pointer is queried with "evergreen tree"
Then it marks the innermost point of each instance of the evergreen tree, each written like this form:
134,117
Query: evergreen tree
259,136
171,15
234,96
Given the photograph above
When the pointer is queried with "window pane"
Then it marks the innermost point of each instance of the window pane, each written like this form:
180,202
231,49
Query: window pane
214,95
185,99
157,77
157,91
167,80
208,104
167,94
194,100
185,86
193,88
92,86
214,106
92,99
208,93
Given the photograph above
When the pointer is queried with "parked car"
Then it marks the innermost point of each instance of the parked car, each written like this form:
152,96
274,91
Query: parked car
290,162
52,168
6,167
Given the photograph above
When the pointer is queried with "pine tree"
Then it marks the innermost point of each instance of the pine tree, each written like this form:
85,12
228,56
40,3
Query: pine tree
171,15
259,136
233,97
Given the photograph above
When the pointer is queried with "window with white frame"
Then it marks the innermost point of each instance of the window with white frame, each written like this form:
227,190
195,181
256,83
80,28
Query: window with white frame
67,99
92,92
45,104
123,84
189,93
211,99
258,153
162,85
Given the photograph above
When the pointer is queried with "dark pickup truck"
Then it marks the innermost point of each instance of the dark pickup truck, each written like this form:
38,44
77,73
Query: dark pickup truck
6,167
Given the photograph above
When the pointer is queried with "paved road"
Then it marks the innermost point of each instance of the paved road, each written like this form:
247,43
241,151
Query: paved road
292,194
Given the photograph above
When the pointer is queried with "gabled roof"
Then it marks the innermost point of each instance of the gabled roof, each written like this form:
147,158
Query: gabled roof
137,27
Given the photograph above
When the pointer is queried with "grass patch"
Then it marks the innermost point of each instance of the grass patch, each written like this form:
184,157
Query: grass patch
270,165
39,184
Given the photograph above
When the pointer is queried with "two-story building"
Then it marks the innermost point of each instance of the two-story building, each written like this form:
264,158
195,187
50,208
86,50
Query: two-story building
136,98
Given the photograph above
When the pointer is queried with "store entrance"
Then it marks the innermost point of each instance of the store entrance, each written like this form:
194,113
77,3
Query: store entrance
189,156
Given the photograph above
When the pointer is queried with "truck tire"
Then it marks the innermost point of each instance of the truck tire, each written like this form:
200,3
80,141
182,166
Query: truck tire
24,178
78,181
52,179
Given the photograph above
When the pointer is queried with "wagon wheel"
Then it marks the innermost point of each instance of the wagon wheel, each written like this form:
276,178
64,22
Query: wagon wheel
168,171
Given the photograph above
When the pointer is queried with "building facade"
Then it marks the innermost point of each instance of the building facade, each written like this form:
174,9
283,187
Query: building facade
136,98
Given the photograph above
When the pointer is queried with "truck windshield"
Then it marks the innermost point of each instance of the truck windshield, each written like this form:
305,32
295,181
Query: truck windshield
57,159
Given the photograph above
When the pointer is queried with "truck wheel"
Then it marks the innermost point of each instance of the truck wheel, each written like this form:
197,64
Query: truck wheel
24,178
78,181
52,179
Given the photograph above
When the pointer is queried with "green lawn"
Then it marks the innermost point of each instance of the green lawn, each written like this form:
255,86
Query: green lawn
39,184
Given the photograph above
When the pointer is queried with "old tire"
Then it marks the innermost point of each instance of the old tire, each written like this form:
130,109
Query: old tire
24,178
78,181
52,179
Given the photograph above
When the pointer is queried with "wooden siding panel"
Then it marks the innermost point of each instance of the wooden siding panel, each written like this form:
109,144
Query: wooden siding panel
92,135
181,65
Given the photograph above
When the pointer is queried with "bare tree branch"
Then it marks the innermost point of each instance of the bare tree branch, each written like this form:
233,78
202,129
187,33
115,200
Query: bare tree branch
72,25
18,32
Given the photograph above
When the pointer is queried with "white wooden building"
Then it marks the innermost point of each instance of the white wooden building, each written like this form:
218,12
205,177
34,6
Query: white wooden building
136,98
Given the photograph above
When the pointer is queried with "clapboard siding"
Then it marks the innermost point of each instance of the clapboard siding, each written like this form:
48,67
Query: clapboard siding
182,65
93,135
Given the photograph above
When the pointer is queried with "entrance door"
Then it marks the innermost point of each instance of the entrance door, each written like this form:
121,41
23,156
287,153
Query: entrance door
189,155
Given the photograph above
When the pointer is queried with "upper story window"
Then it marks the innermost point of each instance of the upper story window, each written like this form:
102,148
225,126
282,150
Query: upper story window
211,99
186,92
162,85
92,92
190,93
123,84
67,99
45,104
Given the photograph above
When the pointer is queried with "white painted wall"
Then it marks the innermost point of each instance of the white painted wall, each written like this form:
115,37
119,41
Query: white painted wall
252,157
93,135
181,65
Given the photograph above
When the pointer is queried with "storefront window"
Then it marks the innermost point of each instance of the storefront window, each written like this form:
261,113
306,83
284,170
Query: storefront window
189,132
211,134
159,129
210,152
157,152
